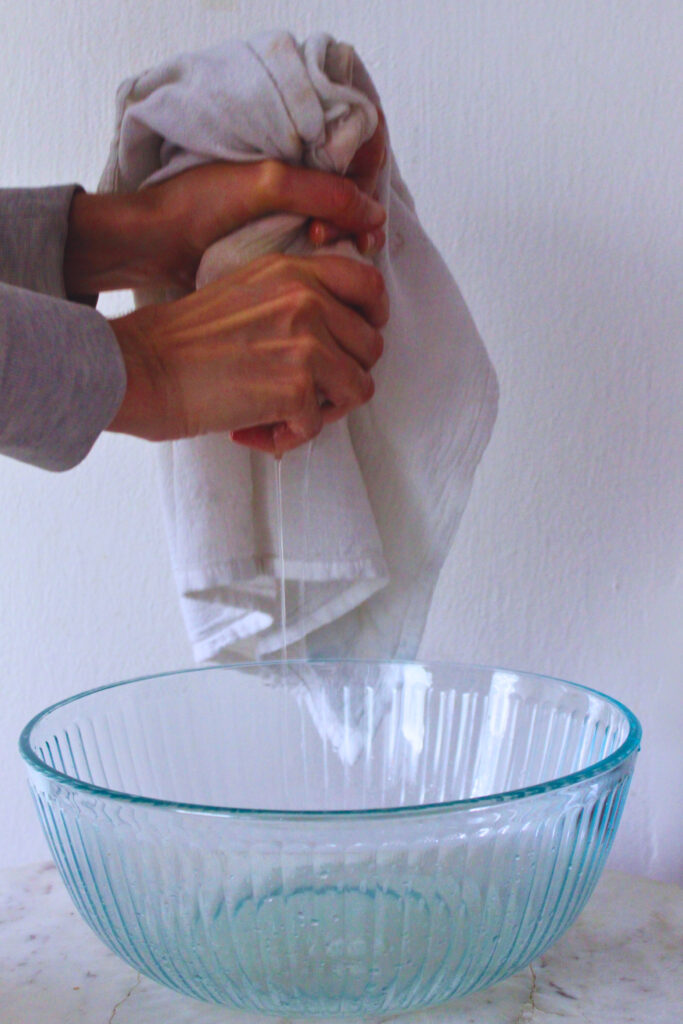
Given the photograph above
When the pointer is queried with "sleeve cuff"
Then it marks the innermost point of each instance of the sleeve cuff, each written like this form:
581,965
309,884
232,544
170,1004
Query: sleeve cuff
33,229
62,378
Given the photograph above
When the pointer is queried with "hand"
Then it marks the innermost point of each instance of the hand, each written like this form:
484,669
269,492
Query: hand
271,352
364,172
157,236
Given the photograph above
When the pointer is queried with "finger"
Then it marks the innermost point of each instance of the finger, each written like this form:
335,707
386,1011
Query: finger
310,310
370,242
273,440
258,438
346,391
304,425
317,194
351,281
340,383
346,387
367,242
354,283
349,331
369,159
321,232
283,438
278,438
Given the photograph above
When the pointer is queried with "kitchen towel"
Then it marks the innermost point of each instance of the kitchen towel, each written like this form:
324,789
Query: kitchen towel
371,509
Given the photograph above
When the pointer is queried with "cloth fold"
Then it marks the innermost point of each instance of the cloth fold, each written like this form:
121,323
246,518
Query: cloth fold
371,510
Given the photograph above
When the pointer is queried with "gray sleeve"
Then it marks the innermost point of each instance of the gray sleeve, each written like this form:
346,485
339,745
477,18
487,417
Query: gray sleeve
62,376
33,227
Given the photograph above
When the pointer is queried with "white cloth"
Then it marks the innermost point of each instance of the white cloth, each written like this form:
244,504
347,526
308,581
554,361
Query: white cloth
371,512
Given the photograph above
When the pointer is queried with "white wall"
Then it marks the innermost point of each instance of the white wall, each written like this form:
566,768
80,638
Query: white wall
542,142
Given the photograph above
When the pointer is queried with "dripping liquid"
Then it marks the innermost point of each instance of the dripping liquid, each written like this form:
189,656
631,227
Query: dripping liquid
307,523
304,519
281,541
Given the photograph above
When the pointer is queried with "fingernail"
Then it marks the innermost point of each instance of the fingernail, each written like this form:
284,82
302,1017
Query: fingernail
371,242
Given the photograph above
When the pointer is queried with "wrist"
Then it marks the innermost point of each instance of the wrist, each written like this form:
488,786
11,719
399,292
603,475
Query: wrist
111,243
141,412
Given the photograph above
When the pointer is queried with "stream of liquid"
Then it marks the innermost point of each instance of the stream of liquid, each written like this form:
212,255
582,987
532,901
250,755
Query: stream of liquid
280,526
281,541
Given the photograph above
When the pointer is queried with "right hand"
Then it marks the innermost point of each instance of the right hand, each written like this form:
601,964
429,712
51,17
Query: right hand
269,353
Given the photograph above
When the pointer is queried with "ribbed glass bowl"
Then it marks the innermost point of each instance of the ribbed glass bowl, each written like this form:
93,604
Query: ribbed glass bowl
331,838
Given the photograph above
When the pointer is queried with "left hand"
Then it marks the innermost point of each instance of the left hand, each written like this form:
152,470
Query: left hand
157,236
364,170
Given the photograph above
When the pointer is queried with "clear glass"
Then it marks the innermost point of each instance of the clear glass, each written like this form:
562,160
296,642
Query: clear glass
331,838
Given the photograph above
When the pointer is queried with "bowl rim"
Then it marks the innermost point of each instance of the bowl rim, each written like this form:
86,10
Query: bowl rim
628,747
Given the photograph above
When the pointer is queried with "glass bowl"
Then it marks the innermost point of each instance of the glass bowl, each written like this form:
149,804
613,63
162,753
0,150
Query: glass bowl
331,838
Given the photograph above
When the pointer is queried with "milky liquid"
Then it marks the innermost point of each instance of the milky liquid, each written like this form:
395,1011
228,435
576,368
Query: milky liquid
281,541
306,516
304,520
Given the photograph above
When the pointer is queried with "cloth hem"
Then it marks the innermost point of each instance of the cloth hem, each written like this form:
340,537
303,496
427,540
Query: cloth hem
193,582
221,637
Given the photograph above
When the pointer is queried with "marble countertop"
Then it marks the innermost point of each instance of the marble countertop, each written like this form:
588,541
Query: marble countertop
621,963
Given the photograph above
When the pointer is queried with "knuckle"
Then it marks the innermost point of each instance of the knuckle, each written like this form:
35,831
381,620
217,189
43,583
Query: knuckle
299,292
303,301
272,179
307,348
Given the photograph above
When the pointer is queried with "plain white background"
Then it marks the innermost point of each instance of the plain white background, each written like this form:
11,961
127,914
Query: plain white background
542,143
